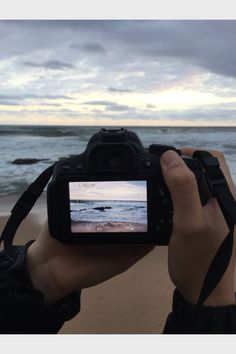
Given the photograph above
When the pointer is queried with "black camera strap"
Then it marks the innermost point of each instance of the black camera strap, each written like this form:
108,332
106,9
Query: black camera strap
218,187
22,208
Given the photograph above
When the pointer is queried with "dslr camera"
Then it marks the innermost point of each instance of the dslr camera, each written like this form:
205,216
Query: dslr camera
114,192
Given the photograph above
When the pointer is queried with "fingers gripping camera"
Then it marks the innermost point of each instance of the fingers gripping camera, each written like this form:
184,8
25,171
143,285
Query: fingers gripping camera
114,192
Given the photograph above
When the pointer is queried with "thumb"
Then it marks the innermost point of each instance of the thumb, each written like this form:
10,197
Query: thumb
182,185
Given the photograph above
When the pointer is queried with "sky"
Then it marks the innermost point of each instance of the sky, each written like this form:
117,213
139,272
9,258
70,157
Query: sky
121,73
122,190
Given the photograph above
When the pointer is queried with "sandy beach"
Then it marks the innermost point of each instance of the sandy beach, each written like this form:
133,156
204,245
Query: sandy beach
137,301
89,226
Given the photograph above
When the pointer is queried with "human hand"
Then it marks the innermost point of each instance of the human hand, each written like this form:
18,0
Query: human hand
197,232
57,269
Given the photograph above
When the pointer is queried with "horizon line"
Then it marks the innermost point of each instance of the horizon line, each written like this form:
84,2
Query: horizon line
121,126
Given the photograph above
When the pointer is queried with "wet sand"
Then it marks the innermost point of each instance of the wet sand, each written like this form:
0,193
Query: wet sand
133,302
89,226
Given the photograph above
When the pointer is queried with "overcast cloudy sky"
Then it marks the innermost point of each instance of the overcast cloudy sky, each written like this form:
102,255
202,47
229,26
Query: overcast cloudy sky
122,190
118,72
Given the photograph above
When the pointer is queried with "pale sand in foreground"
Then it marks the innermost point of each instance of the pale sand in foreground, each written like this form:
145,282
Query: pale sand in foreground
134,302
89,226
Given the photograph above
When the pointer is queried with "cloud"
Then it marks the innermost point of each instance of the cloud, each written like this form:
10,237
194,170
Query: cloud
50,97
110,105
118,107
93,48
51,104
119,90
9,103
131,114
151,106
99,103
31,96
144,64
21,99
210,45
51,64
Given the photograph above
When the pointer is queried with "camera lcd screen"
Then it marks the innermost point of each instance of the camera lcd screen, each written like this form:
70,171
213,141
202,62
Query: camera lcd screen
111,206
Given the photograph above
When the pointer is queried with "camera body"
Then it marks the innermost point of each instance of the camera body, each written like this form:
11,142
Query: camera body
114,192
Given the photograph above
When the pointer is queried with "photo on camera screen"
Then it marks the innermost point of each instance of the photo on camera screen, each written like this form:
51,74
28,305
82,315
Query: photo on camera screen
111,206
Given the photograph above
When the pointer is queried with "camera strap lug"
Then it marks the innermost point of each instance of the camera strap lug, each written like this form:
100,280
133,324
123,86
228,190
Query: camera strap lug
218,185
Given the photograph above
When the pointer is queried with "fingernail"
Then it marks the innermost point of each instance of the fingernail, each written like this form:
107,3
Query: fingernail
170,159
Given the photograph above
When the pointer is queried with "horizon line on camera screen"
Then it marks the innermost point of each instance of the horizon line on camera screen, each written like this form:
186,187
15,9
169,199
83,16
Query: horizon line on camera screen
108,206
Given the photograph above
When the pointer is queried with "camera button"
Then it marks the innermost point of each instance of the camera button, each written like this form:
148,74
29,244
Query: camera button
80,166
66,166
147,164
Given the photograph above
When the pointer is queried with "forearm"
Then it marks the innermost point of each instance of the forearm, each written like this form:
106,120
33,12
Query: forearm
23,308
42,277
222,295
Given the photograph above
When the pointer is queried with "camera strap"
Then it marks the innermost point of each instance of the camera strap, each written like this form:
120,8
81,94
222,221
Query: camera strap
218,187
22,208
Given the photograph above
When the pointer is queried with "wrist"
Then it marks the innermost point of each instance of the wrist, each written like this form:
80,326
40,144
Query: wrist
216,298
41,275
222,295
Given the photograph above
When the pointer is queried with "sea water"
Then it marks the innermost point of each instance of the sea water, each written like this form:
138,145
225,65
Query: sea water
114,211
50,143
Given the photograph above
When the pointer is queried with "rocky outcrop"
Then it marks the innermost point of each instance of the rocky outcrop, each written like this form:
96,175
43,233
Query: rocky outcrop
27,161
102,208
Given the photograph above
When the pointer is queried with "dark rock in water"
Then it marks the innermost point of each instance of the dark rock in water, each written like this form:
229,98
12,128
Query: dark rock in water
27,161
102,208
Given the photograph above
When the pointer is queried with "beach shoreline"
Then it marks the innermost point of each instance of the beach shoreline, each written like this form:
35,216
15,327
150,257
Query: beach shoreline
107,226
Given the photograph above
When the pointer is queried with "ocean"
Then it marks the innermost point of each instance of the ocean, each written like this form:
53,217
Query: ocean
118,211
46,144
